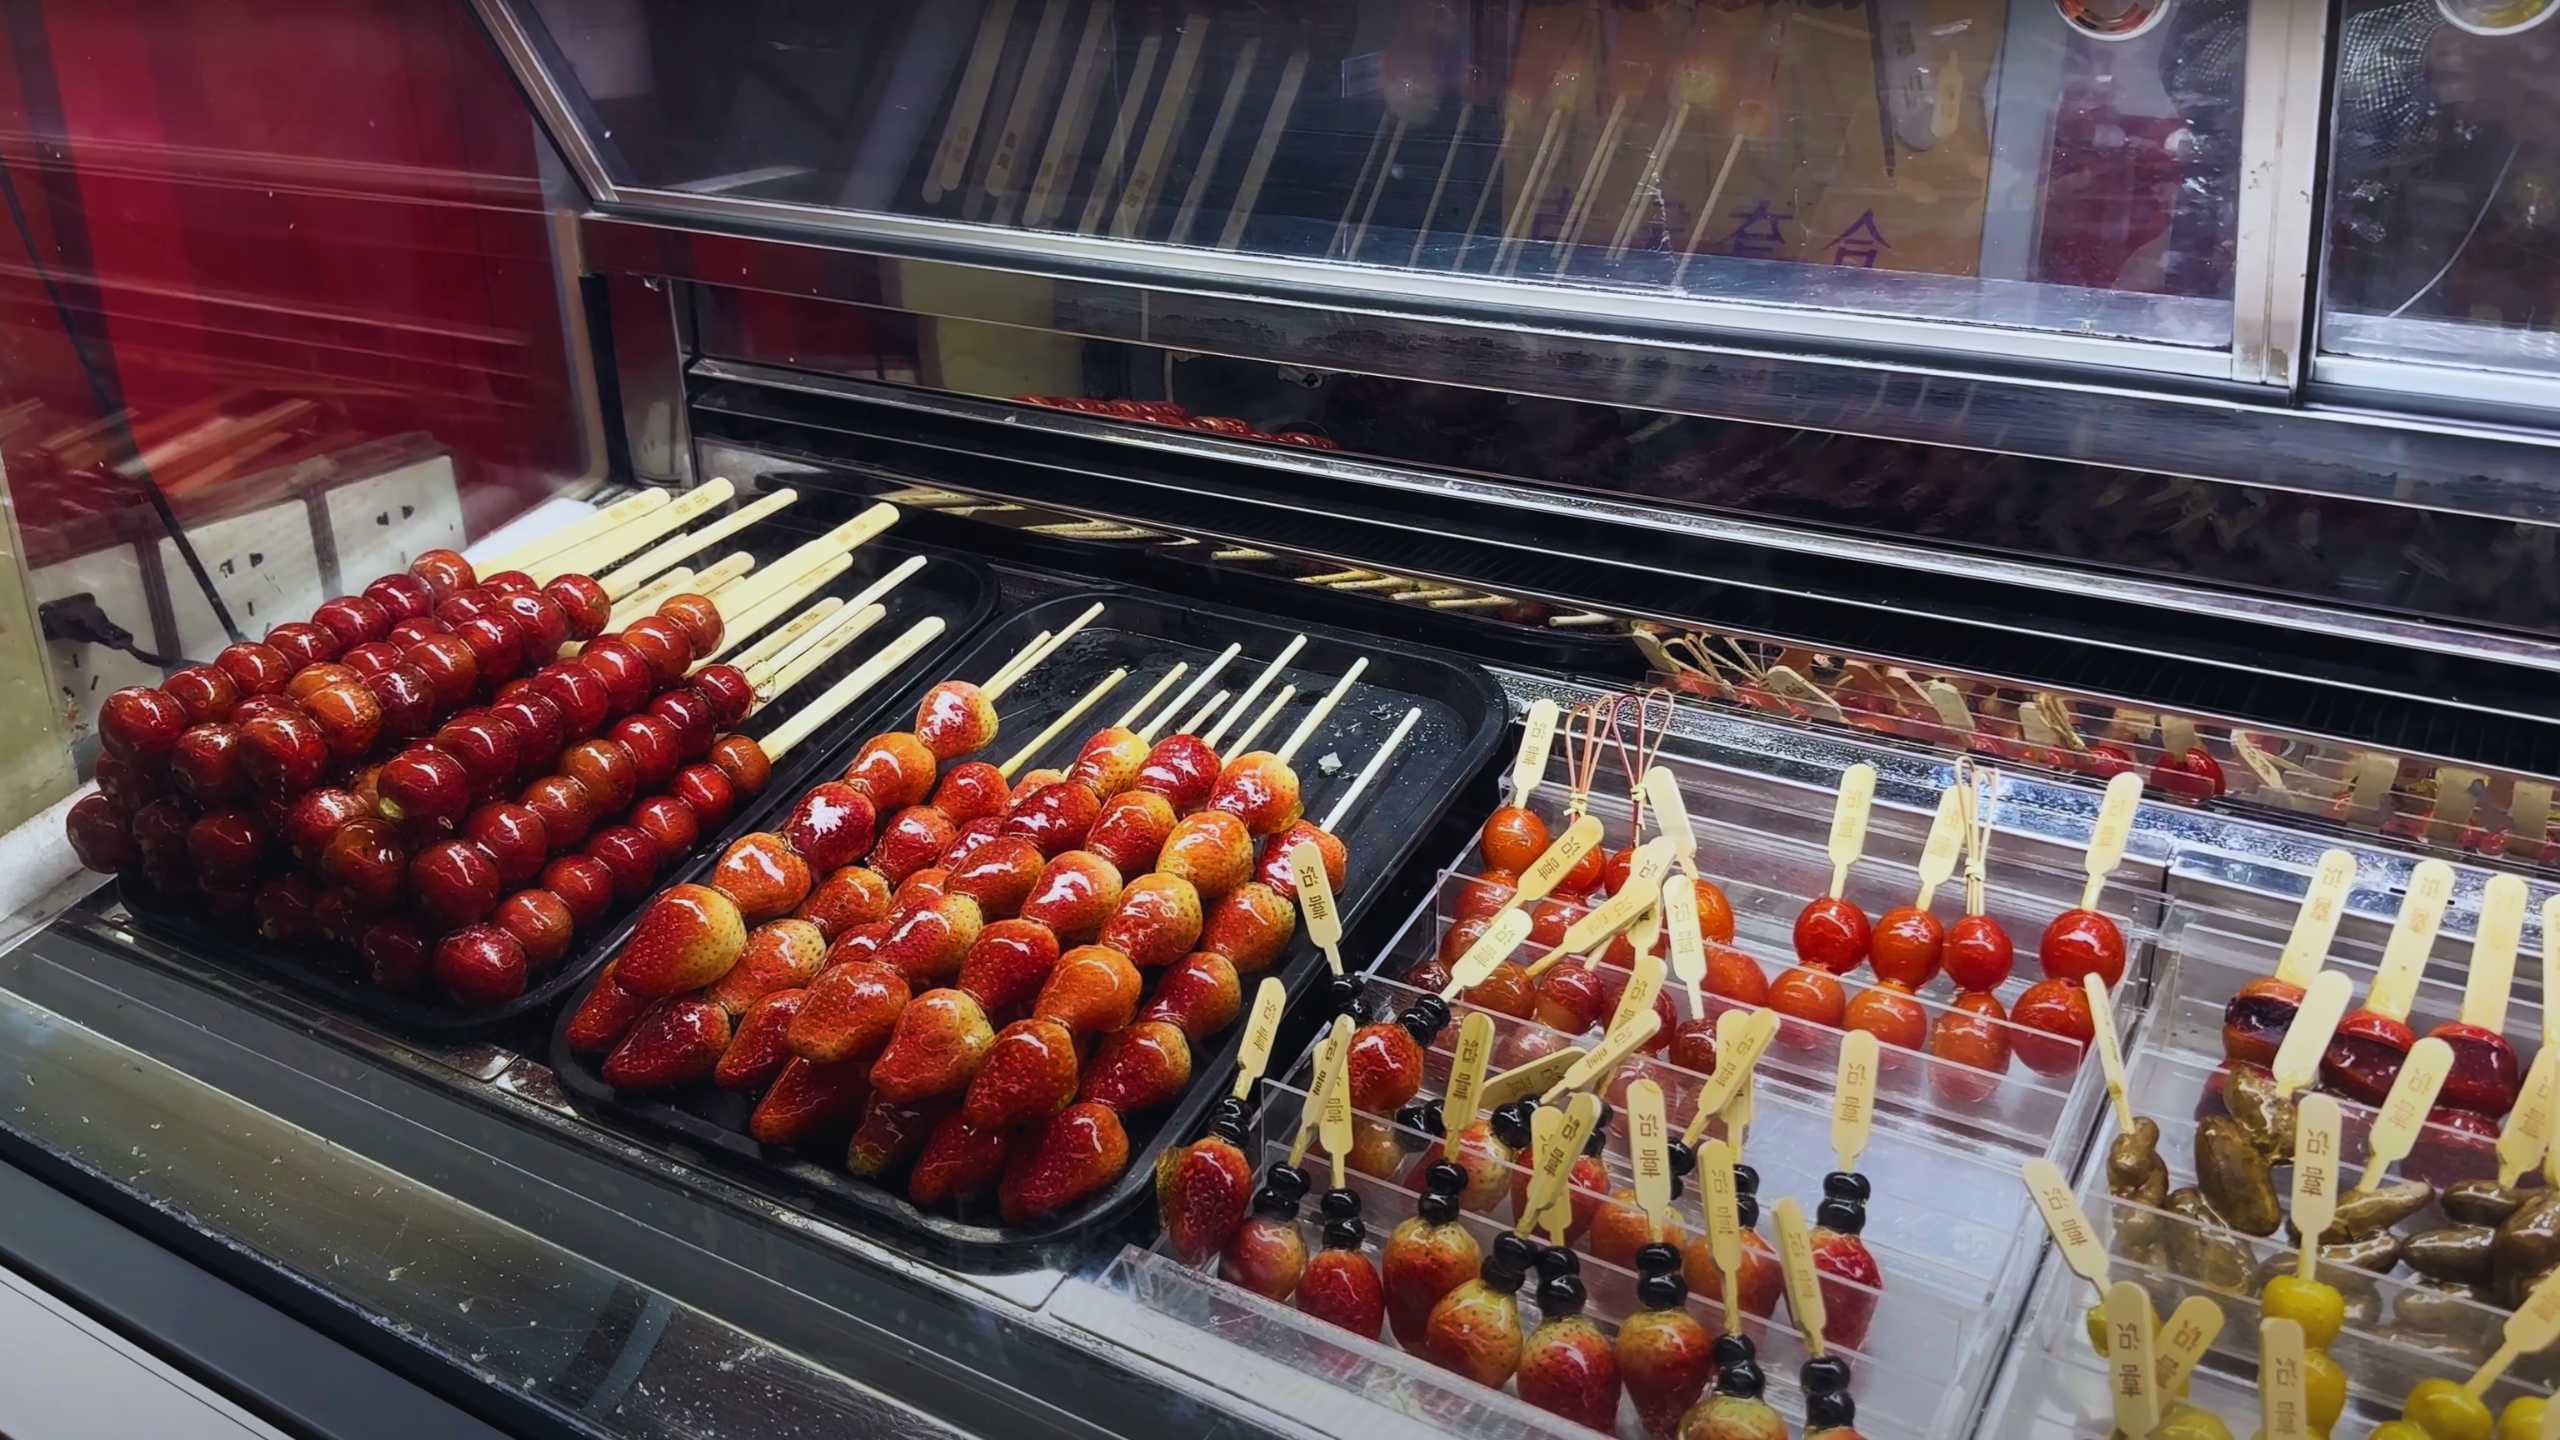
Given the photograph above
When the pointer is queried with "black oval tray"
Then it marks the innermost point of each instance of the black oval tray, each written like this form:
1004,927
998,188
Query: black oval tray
956,587
1464,717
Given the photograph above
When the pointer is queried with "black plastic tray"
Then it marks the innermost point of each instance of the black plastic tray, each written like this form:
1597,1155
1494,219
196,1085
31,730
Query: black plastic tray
956,587
1463,720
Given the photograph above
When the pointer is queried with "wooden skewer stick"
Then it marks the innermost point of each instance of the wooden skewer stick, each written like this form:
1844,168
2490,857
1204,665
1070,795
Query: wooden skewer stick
1279,702
1578,214
728,570
782,657
773,609
1204,168
836,544
1648,181
1307,727
577,532
1205,712
1253,692
1386,168
1115,152
595,555
799,625
1020,658
1525,208
1164,682
1275,124
632,573
1066,141
1369,772
821,645
805,722
679,581
1707,212
1040,652
1031,89
1484,193
1360,182
969,105
1173,104
1440,186
1055,728
743,616
1181,702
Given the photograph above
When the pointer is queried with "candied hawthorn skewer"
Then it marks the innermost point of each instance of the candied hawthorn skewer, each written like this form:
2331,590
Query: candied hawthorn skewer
1831,933
1978,953
2486,1076
1204,1189
2365,1055
1433,1252
2081,941
1513,836
2260,1013
1908,944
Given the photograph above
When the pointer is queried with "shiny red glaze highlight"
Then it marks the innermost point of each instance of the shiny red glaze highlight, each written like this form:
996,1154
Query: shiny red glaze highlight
706,792
481,966
2255,1019
1977,954
303,643
627,679
584,884
583,602
468,604
286,751
575,691
539,727
203,691
349,717
353,619
2059,1011
605,768
315,819
451,666
488,749
1181,768
371,658
310,680
896,768
971,790
655,753
408,702
495,643
2486,1076
1906,946
691,715
1056,817
100,836
699,617
405,596
444,571
745,763
1831,934
207,764
834,824
568,812
515,837
955,718
254,669
454,882
2082,942
2365,1055
140,723
725,686
407,634
669,826
537,620
540,922
662,644
632,857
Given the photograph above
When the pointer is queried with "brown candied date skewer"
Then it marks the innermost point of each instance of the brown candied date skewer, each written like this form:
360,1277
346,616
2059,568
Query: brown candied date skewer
488,963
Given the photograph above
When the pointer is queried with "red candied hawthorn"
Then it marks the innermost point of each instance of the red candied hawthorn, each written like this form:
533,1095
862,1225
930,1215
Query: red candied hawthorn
698,616
632,857
668,824
746,765
205,692
140,723
404,596
691,715
254,669
655,753
726,687
455,883
445,571
583,602
706,792
833,825
99,835
578,694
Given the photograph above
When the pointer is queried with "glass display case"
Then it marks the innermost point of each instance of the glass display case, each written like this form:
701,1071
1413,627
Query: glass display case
1093,718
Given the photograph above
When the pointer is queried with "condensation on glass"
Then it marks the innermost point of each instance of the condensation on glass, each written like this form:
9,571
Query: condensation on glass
2066,168
2444,188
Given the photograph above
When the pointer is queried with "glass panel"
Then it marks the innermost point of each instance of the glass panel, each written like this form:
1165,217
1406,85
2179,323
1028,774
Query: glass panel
1949,159
2444,193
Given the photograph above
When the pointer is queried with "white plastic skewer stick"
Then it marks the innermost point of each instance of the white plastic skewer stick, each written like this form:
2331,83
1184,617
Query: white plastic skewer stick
877,590
819,711
1075,115
742,618
1020,658
632,573
1360,182
727,570
822,646
1307,727
1106,176
836,544
1578,214
1275,123
1386,169
597,554
577,532
1172,106
1369,772
1181,702
1279,702
1439,187
1054,728
1164,682
1253,692
638,603
1206,164
1205,712
799,625
797,658
969,106
1046,649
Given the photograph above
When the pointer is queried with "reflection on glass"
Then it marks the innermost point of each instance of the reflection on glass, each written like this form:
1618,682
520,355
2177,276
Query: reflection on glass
2444,209
2067,167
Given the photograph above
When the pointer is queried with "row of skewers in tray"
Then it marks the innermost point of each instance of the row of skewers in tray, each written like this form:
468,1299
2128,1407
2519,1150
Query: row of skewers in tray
1533,1140
1585,913
441,781
981,970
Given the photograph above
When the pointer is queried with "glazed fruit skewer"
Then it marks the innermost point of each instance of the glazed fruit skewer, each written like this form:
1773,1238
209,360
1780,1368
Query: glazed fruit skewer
1978,954
1205,1189
2260,1013
1434,1252
1831,933
1836,1249
1664,1354
1735,1409
1340,1284
1267,1254
1475,1329
1278,871
487,963
1253,691
1825,1377
2365,1055
1907,946
2082,941
2486,1075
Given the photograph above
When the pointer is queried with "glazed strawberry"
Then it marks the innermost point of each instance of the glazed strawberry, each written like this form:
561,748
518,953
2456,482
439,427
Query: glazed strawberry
1665,1356
1506,990
1571,998
605,1014
1138,1067
1275,871
1211,849
1056,817
1029,1073
896,769
1386,1058
1157,922
1076,892
912,839
972,837
972,790
676,1043
1109,762
1484,1160
1203,1190
780,955
917,892
960,1162
1567,1366
1181,768
890,1135
1851,1278
1251,926
1008,965
1200,995
688,937
1130,831
1620,1228
1760,1280
1093,990
1079,1151
928,945
763,874
1475,1329
862,942
756,1053
1340,1285
1429,1255
999,874
808,1097
850,1011
939,1041
1261,790
853,895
